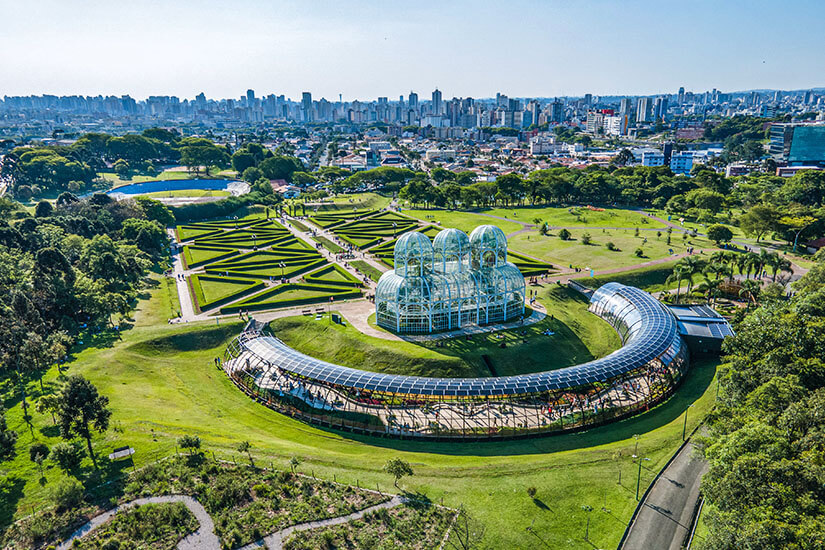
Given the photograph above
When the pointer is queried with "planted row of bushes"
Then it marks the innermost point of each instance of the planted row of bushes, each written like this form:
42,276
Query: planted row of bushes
269,298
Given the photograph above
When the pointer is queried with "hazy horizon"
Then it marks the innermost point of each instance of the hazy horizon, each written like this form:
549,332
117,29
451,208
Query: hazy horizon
365,50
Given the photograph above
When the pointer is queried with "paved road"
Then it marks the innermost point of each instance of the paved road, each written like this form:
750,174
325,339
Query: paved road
187,309
666,512
202,539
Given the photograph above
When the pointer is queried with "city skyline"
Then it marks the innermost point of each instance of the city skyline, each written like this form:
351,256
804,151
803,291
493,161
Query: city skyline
364,51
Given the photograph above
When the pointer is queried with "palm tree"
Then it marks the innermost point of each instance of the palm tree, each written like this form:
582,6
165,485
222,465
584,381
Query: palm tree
751,290
692,266
678,274
751,263
765,259
710,288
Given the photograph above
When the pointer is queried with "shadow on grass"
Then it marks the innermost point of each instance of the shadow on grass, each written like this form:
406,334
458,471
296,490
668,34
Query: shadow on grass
11,491
695,384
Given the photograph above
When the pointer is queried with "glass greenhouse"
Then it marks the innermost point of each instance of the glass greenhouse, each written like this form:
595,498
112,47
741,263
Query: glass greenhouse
454,281
645,371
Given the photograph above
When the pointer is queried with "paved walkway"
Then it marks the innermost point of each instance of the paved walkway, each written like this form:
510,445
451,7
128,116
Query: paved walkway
202,539
666,513
275,541
187,308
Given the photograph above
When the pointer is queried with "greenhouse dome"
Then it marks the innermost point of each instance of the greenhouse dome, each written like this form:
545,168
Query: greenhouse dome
453,282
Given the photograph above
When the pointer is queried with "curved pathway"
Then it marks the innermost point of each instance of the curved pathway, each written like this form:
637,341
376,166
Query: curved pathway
275,541
204,538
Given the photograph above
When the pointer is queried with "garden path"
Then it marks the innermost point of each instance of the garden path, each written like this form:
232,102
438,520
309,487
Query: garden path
275,541
203,538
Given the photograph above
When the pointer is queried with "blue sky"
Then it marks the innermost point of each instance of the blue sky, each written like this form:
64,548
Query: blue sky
385,48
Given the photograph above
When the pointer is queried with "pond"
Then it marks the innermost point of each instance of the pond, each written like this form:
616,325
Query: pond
234,187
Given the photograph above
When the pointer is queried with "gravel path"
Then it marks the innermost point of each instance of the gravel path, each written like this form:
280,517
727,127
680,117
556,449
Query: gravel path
275,541
202,539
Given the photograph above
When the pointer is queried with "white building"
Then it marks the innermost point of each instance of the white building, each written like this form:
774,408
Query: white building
681,163
615,125
653,158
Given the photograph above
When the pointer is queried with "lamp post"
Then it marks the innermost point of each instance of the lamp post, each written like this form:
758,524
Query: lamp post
639,477
254,242
281,265
684,427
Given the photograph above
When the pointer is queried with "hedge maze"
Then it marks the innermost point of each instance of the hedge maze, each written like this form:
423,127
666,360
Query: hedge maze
254,264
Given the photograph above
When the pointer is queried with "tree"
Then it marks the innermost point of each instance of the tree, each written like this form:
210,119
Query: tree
587,509
564,234
719,233
122,168
67,455
624,157
280,167
48,403
244,447
82,409
44,209
759,220
156,211
37,453
197,152
294,462
586,238
398,468
7,437
191,443
468,532
252,174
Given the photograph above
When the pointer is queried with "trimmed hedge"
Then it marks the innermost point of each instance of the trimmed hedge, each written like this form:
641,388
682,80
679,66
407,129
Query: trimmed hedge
202,304
187,255
317,277
266,300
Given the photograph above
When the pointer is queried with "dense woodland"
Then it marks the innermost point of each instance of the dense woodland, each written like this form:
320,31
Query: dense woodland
766,448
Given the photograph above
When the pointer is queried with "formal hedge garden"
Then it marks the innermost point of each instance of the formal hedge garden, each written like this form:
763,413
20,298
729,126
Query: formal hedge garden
291,295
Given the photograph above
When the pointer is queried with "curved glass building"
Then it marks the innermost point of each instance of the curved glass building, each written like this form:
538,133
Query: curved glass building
644,371
454,281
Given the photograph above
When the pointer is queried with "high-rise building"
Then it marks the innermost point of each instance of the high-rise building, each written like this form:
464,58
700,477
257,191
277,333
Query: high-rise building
556,111
660,108
681,96
643,110
412,99
306,106
625,106
437,103
250,97
588,99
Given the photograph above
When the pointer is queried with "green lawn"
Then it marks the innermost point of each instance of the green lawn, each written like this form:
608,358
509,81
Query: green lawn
596,255
161,383
580,336
576,216
367,269
361,201
328,244
466,221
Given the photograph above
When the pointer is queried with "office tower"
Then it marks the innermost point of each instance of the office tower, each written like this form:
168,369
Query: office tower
660,108
777,96
413,100
643,110
306,106
625,106
436,106
250,97
681,96
588,99
556,111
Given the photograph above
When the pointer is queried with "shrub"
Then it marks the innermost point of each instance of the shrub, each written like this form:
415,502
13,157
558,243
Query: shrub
564,234
531,492
67,455
586,238
610,246
640,253
67,493
38,450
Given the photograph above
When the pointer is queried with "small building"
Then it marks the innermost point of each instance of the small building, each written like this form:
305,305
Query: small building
702,328
653,158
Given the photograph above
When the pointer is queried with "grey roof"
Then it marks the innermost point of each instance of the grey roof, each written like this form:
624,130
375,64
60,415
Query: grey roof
652,332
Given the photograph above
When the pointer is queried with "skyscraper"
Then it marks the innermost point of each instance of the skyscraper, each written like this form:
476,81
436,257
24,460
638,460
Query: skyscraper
625,106
306,106
250,97
660,108
643,110
681,97
413,100
556,111
436,102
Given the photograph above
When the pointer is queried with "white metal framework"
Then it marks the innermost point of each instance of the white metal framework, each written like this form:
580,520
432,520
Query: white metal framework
454,281
645,371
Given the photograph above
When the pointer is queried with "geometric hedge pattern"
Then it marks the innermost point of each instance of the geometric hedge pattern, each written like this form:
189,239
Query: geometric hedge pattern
239,258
